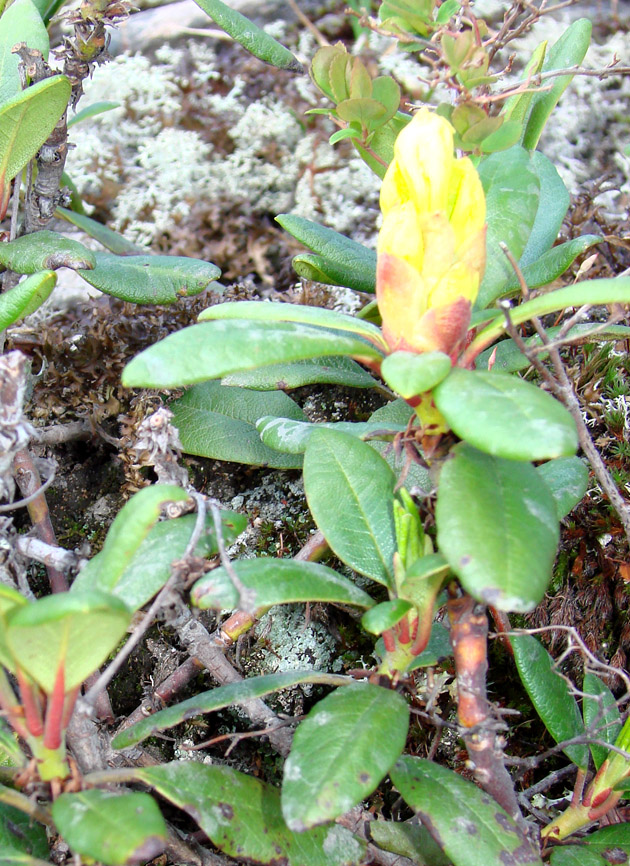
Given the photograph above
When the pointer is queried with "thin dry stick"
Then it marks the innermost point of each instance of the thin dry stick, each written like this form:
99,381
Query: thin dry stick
146,621
30,485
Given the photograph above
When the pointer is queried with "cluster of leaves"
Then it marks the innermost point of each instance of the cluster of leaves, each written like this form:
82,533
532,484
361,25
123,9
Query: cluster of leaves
503,477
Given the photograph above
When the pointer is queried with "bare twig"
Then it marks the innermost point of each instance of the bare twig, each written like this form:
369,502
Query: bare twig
48,554
30,484
247,596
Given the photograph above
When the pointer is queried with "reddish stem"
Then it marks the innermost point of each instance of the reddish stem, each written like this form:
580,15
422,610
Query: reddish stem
29,695
54,712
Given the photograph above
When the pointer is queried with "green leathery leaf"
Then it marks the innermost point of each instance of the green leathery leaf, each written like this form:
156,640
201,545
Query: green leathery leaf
92,110
601,716
111,240
151,565
315,316
129,529
410,374
26,297
512,190
516,107
115,828
333,763
438,648
576,855
322,270
385,615
20,22
382,144
471,828
150,279
395,416
45,251
607,840
508,358
497,527
20,834
11,755
218,698
277,581
505,416
241,816
218,421
615,290
74,631
349,489
214,349
569,50
18,859
408,840
250,36
567,479
550,694
552,264
26,121
314,371
284,434
553,205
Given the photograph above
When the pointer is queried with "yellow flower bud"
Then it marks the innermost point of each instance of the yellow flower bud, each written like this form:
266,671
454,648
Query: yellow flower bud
432,247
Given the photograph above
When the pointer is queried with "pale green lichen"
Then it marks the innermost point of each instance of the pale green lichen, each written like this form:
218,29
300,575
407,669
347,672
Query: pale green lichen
154,169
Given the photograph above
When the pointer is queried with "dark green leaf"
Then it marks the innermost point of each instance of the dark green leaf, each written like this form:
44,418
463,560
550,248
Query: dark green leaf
550,265
471,828
608,291
567,478
256,311
75,631
125,535
211,350
344,261
438,648
217,699
241,816
218,421
331,371
609,841
576,855
92,110
26,120
385,615
512,189
45,251
508,358
150,279
497,527
601,716
293,436
505,416
115,828
409,840
111,240
250,36
341,752
553,205
396,415
568,51
277,581
349,490
550,694
26,297
20,22
151,565
410,374
20,834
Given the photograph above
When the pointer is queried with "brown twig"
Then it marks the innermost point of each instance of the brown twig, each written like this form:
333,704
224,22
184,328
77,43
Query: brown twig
480,728
30,483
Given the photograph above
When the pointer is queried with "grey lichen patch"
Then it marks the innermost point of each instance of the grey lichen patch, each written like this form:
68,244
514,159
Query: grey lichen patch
188,134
